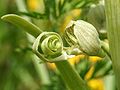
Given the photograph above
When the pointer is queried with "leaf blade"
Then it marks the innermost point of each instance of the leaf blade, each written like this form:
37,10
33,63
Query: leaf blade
21,22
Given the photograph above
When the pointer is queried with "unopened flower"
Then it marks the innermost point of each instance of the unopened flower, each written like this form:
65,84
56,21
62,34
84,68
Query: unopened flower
84,35
96,16
49,47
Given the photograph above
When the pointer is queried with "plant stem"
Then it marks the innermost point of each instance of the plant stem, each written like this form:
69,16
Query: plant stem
113,27
42,71
70,76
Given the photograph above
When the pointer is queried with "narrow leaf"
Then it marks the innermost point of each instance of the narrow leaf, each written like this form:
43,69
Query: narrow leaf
21,22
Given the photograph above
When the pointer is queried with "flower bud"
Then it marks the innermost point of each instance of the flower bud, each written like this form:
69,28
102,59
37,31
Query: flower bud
48,46
85,36
96,16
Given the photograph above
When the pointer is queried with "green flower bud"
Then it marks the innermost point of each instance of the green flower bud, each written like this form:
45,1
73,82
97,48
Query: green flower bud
49,47
85,36
96,16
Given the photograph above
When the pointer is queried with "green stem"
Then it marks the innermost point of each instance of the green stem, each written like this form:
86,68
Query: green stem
70,76
42,71
113,27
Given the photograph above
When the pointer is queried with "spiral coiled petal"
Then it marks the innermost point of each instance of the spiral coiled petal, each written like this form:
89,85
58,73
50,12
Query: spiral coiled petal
49,47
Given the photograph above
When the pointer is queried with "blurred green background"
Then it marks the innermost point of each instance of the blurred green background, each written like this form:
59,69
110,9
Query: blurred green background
21,70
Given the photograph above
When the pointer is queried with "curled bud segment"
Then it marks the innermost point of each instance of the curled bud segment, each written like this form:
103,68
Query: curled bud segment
69,34
85,36
49,46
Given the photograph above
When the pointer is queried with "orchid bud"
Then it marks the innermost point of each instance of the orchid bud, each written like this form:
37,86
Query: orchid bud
85,36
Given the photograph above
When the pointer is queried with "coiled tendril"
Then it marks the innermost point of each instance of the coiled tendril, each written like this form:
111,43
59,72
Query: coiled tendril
49,47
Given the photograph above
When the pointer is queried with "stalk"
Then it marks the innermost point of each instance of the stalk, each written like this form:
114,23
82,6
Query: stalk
113,26
70,76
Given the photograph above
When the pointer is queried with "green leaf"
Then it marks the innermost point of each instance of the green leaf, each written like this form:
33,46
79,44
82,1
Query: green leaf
21,22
